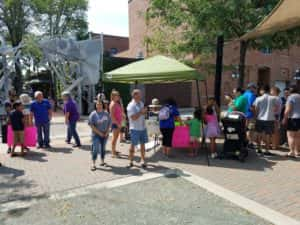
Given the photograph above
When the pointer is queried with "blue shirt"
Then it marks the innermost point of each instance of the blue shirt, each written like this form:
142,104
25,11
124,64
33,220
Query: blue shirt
40,111
170,123
250,97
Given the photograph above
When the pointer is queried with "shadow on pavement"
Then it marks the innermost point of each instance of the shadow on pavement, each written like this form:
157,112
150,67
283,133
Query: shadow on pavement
64,150
136,170
35,156
15,213
14,173
12,189
252,162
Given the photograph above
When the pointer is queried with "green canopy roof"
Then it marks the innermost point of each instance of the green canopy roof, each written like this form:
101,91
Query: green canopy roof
157,69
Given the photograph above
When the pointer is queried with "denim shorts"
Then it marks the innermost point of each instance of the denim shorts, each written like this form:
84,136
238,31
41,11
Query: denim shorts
114,126
138,137
266,127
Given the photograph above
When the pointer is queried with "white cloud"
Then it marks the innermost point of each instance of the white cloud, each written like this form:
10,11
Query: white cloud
108,16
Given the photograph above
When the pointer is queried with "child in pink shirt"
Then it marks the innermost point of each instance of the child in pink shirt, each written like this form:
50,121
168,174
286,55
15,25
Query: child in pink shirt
212,130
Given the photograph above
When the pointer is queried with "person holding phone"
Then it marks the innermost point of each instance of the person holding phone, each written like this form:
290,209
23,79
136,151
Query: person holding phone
136,114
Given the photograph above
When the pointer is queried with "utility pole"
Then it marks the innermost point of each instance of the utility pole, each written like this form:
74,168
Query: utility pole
219,69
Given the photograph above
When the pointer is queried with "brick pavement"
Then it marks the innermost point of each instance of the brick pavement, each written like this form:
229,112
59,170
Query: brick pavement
273,182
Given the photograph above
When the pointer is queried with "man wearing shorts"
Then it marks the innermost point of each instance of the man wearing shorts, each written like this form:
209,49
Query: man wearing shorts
136,114
265,107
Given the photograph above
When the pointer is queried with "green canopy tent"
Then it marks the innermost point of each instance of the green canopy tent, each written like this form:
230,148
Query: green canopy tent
157,69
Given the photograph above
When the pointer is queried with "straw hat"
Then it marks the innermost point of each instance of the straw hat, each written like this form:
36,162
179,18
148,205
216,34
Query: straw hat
155,103
25,99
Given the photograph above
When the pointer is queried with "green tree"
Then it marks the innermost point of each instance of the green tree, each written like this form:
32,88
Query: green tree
15,19
61,17
200,22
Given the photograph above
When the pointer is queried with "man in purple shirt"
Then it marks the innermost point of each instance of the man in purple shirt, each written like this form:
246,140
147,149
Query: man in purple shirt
71,118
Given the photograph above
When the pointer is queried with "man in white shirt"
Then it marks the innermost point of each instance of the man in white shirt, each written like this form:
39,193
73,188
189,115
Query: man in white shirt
265,109
138,133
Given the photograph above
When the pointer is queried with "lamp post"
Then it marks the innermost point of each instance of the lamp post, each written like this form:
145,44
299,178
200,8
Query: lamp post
235,73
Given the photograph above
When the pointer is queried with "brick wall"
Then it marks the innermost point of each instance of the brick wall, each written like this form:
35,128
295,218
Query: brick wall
121,44
281,64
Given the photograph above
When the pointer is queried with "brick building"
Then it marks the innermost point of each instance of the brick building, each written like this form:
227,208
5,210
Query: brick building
263,67
113,45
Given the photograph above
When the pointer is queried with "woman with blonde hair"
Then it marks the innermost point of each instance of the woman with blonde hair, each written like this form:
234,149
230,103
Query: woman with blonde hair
116,114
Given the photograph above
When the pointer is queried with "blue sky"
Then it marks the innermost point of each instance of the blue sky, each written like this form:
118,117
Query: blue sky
108,16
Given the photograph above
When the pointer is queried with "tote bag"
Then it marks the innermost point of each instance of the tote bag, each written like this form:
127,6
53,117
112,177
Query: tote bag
181,137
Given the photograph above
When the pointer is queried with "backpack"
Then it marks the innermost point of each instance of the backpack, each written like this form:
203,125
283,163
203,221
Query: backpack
164,113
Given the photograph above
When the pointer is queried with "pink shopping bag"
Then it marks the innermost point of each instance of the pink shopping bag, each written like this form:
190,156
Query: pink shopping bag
30,134
181,137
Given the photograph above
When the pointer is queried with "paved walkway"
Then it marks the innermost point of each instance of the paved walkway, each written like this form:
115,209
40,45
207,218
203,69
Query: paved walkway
273,182
168,201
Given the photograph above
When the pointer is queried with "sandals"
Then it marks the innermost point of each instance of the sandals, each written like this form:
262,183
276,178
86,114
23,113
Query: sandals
291,155
93,168
103,164
117,155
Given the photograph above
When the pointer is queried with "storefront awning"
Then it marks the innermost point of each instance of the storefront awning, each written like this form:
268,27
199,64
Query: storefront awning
286,15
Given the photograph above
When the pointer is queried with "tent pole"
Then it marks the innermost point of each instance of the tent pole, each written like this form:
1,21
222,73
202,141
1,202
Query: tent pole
198,93
206,91
203,141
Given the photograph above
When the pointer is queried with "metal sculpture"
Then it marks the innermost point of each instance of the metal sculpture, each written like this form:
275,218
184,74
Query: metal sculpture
76,64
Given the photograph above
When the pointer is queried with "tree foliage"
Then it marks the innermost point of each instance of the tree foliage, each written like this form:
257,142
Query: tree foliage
200,22
61,17
21,21
15,16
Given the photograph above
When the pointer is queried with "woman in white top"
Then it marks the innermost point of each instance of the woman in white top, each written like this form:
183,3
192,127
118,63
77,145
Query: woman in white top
292,121
275,91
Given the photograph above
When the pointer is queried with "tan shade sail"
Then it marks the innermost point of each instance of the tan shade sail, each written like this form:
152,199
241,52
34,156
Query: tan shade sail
286,15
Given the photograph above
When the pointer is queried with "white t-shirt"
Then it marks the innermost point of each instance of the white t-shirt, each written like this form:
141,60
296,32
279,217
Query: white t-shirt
265,106
132,109
294,100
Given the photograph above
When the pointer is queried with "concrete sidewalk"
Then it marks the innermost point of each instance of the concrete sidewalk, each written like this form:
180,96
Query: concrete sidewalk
273,181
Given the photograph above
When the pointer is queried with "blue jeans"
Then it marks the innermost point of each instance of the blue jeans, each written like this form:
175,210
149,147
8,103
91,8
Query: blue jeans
43,130
72,132
98,147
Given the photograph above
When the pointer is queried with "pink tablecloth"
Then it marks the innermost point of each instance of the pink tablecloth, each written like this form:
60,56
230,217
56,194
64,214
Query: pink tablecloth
30,134
181,137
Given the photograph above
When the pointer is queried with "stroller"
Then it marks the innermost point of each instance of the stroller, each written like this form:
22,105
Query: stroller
235,145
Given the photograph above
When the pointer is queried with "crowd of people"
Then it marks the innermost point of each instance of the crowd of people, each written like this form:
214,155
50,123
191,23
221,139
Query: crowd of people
271,121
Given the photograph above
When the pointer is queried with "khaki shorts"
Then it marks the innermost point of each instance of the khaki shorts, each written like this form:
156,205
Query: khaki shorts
18,137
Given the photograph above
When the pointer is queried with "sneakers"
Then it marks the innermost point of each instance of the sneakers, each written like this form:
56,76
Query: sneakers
214,155
77,146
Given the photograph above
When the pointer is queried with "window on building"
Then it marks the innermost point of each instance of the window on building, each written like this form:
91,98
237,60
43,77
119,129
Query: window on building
266,51
113,51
